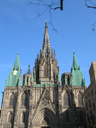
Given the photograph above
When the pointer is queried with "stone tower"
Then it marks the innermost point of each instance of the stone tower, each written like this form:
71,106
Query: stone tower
41,102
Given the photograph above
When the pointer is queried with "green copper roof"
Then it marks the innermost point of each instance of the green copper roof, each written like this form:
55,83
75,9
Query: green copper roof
75,64
14,76
76,74
17,64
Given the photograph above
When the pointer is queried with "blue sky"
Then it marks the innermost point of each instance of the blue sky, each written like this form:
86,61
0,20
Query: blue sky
21,32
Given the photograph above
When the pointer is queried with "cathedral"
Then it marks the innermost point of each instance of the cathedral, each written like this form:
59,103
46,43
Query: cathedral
44,100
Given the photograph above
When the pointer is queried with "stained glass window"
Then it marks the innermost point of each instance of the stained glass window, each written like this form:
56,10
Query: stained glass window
66,103
80,100
11,103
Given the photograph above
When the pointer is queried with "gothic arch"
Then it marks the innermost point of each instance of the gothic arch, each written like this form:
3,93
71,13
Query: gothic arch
48,115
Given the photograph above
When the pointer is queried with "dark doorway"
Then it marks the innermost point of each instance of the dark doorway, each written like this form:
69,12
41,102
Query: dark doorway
46,123
46,127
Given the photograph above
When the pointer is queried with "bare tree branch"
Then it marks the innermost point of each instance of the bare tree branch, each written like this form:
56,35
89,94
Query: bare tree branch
51,6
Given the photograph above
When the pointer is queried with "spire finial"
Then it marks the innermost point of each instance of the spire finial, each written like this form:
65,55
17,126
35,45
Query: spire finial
73,52
29,72
17,53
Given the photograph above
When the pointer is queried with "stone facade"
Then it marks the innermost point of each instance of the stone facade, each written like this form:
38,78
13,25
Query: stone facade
41,102
90,96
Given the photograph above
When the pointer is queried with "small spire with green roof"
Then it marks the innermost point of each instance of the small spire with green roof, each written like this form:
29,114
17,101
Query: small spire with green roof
17,64
76,74
14,76
75,64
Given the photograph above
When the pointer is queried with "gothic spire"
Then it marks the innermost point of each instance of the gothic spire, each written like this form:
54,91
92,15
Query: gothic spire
75,64
54,55
46,43
17,64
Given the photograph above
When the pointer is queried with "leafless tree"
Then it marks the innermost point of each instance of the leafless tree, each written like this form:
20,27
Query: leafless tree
91,4
58,4
49,6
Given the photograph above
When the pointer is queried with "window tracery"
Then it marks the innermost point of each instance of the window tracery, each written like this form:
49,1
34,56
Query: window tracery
66,99
24,99
11,103
80,99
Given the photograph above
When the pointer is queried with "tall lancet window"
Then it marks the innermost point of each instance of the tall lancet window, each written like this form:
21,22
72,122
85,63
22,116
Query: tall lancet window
9,117
80,99
24,100
11,103
66,99
45,70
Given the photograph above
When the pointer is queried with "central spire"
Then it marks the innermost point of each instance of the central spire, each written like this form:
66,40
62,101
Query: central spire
46,43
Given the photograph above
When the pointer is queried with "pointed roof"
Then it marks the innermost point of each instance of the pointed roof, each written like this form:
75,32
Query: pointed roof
17,63
46,43
75,64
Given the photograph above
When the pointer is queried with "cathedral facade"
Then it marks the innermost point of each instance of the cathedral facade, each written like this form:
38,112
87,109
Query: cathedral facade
41,101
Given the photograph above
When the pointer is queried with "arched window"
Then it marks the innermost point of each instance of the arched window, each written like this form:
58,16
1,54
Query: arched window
68,80
80,100
23,117
24,99
66,102
45,70
9,117
81,117
11,103
67,117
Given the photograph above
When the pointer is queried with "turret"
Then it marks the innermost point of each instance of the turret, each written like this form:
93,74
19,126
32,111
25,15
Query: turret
15,76
76,74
